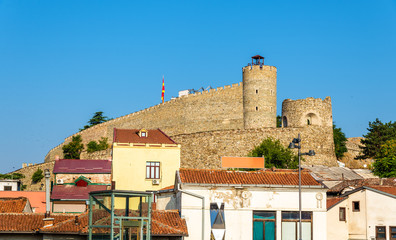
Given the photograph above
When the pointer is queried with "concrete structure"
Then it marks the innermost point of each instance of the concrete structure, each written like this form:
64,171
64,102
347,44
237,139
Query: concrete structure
10,185
251,204
144,159
240,112
367,212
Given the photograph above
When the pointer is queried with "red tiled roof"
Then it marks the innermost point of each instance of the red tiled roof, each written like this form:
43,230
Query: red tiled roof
165,222
27,222
333,201
267,177
74,192
387,189
82,166
167,188
154,136
36,199
12,205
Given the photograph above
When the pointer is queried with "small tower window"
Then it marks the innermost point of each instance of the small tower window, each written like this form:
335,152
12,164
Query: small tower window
256,108
256,91
308,122
143,133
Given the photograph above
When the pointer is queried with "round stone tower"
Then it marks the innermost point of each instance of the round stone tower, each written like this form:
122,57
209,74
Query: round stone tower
305,112
259,94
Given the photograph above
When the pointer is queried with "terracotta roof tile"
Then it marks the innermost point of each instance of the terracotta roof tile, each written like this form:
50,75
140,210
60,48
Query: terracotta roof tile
74,192
154,136
36,199
333,201
27,222
82,166
167,188
12,205
165,222
387,189
267,177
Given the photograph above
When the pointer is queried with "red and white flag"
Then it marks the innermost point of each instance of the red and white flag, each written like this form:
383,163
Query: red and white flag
163,89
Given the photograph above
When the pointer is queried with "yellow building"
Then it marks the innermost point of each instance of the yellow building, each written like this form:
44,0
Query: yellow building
144,160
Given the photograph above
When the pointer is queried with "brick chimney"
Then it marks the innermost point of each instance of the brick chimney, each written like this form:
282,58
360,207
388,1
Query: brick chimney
48,222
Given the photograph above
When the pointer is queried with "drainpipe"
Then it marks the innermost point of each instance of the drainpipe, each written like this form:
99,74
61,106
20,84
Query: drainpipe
47,192
203,206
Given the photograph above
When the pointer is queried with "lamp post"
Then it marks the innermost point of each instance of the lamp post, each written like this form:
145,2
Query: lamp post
296,143
47,175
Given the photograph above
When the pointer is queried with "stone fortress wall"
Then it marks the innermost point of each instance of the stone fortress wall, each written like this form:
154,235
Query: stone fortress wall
229,121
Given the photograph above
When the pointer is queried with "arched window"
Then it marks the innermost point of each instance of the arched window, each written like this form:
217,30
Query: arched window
312,119
284,121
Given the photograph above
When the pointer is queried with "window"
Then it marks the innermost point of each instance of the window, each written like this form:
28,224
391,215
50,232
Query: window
264,225
356,206
380,233
392,233
256,91
152,170
342,214
290,225
7,188
256,108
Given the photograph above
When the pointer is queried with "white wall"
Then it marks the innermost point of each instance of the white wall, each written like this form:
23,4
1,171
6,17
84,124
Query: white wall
381,212
239,206
337,229
13,184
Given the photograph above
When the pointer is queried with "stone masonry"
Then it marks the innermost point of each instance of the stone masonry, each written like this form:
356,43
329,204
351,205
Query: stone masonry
228,121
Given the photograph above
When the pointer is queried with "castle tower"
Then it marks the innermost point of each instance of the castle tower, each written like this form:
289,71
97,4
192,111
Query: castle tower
306,112
259,94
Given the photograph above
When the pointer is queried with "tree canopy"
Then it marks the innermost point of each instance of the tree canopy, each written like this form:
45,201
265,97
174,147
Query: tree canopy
94,146
96,119
73,149
385,160
275,154
339,142
378,134
37,175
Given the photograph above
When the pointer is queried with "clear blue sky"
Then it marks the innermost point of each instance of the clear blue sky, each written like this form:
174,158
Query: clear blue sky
61,61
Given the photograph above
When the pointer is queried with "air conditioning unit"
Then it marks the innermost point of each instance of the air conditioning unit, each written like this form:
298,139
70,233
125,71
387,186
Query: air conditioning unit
156,182
59,181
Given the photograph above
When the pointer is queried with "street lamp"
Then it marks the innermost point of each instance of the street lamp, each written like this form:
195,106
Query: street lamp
296,143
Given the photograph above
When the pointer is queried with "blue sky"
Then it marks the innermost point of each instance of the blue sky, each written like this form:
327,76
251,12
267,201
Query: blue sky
61,61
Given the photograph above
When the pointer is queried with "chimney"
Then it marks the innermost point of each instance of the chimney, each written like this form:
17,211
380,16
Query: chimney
47,191
56,157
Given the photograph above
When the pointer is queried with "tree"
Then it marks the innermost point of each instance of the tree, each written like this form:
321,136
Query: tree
37,175
93,146
96,119
275,154
339,142
73,149
378,134
12,176
385,160
278,121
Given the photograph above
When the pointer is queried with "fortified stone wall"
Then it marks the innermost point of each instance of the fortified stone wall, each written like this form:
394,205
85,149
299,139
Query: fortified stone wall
309,111
204,149
30,170
216,109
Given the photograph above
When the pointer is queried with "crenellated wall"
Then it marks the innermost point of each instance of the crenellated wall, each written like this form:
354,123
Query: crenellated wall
216,109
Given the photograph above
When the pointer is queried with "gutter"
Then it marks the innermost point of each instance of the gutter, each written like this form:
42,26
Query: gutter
255,185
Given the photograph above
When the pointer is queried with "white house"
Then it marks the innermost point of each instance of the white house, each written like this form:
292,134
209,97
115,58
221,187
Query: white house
368,212
247,204
10,184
